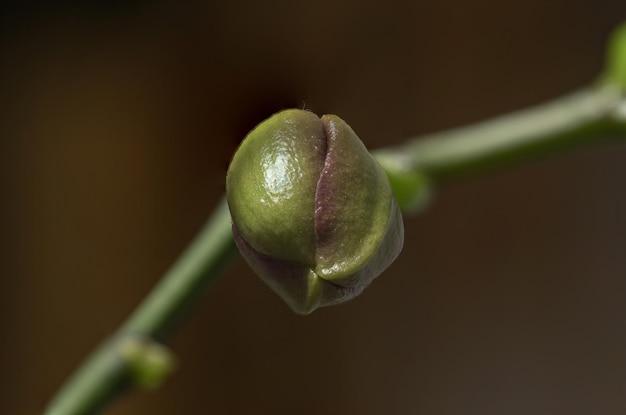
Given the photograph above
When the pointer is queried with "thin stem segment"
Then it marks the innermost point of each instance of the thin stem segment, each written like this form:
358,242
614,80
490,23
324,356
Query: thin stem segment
107,372
588,116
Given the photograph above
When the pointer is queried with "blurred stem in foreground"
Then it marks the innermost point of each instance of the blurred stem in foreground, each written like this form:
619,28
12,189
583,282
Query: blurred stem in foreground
134,356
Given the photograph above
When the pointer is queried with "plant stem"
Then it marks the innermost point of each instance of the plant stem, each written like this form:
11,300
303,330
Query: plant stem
588,116
591,115
105,373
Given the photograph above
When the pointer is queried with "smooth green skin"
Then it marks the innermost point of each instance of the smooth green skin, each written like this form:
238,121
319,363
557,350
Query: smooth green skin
355,201
271,185
313,212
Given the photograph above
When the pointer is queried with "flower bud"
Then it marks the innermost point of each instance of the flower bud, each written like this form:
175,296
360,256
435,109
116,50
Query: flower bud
313,212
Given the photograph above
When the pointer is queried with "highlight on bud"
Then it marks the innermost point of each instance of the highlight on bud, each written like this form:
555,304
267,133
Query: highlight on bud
313,212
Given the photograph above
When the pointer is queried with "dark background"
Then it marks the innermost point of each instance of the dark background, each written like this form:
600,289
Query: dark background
117,122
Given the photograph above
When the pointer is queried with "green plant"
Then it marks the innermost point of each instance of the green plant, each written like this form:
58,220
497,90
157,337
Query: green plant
313,212
135,357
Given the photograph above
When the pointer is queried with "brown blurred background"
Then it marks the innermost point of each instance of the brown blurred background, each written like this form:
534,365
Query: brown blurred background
117,122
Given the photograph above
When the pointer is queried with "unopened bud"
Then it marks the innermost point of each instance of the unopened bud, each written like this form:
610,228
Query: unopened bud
313,212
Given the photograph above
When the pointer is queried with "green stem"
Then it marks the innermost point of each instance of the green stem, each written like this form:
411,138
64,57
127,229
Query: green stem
589,116
106,373
132,356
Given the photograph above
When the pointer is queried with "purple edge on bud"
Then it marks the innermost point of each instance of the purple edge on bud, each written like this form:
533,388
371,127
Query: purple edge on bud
297,283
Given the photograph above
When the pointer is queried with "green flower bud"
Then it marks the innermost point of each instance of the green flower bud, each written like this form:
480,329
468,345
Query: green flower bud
313,212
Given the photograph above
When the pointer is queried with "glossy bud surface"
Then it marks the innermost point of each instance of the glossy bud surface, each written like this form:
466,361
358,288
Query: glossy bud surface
313,212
